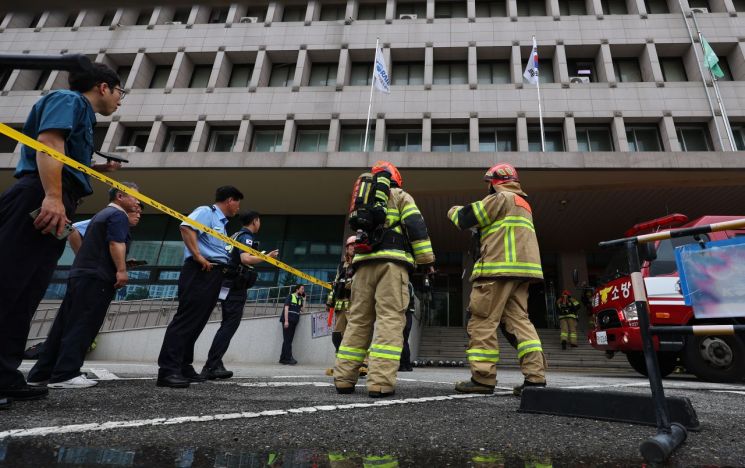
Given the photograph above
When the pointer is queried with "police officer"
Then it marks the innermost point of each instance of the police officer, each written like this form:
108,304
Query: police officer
205,258
289,318
568,307
509,261
241,277
380,290
29,249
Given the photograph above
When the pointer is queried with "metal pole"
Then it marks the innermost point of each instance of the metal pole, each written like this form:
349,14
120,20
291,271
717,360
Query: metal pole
700,69
727,126
369,107
540,108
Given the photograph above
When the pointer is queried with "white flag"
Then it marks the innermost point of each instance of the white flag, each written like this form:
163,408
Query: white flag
381,78
531,70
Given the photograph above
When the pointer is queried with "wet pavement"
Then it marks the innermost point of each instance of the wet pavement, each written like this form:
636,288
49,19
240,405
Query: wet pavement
292,417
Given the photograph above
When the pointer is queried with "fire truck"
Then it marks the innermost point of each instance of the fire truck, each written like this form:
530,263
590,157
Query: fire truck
615,323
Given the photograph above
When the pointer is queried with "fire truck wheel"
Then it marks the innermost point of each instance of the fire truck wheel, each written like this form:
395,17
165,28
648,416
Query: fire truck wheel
667,362
715,358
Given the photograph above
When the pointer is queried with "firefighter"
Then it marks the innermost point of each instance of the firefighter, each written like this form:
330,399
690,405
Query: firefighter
509,261
568,307
338,299
385,257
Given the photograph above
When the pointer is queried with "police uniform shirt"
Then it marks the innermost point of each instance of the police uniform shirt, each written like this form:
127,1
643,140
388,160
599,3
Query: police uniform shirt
246,237
81,226
71,113
94,258
294,302
211,248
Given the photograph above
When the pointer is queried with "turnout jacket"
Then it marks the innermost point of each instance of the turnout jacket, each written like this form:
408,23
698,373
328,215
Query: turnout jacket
567,308
404,216
341,288
504,220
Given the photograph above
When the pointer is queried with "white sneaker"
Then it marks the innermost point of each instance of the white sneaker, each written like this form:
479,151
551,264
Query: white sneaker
80,381
41,383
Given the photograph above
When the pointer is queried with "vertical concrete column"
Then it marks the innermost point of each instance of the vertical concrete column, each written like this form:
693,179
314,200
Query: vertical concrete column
334,134
288,136
637,7
737,62
302,70
471,10
181,72
516,63
427,133
595,8
604,60
429,64
141,73
522,133
125,17
114,135
473,133
669,137
344,69
650,64
512,9
552,8
351,12
220,76
201,136
430,12
234,14
157,137
312,12
159,16
390,11
273,13
245,133
724,5
44,20
675,6
618,132
6,21
473,78
570,133
199,14
560,63
261,72
379,134
691,65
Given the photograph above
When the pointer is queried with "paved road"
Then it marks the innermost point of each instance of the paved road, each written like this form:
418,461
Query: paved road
291,416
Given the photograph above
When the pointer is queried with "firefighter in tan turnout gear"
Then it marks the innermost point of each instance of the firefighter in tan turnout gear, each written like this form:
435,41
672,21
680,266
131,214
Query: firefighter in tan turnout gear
392,240
568,307
509,261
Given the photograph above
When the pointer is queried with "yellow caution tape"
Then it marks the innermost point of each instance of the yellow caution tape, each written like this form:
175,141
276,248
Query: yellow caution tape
30,142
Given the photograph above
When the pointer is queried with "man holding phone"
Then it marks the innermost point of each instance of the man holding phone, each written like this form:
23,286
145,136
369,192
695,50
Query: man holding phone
30,248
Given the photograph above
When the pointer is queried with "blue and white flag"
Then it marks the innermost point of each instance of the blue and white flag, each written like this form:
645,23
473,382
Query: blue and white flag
381,78
531,70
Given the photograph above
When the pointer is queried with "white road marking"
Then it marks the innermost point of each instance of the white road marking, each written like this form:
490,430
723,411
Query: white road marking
104,374
729,391
580,387
96,427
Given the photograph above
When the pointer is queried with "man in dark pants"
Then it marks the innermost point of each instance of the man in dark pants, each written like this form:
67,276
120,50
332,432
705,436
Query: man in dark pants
63,120
405,365
98,271
289,318
205,258
232,304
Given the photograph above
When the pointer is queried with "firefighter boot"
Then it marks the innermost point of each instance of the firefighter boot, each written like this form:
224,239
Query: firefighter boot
563,345
517,391
471,386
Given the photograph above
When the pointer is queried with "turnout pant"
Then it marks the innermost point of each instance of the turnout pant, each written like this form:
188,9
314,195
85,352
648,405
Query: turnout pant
232,313
380,295
568,329
197,294
288,334
78,320
502,300
28,261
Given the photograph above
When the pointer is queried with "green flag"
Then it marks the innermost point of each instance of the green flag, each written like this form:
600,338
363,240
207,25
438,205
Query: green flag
711,60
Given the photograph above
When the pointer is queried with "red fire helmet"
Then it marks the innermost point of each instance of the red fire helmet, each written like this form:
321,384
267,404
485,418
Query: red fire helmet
501,173
385,166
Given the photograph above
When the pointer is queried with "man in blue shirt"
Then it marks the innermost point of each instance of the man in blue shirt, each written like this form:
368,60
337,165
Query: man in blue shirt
205,259
30,248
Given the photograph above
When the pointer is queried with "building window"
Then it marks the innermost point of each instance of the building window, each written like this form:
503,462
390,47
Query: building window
123,73
4,76
699,4
181,15
367,11
417,10
222,140
673,69
256,12
178,141
200,77
293,13
572,7
656,6
494,72
531,8
739,5
352,139
323,74
643,138
136,137
143,19
580,69
614,7
739,133
35,21
724,65
41,81
108,18
497,139
8,145
450,73
361,74
450,141
627,70
545,70
408,73
218,15
240,75
70,21
312,140
404,140
267,141
693,137
487,9
282,74
594,138
334,12
554,137
160,76
450,9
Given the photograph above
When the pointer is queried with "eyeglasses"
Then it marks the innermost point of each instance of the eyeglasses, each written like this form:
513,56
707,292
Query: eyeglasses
122,93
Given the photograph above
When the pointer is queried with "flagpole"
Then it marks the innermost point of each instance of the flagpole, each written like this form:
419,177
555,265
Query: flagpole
540,108
725,118
369,107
